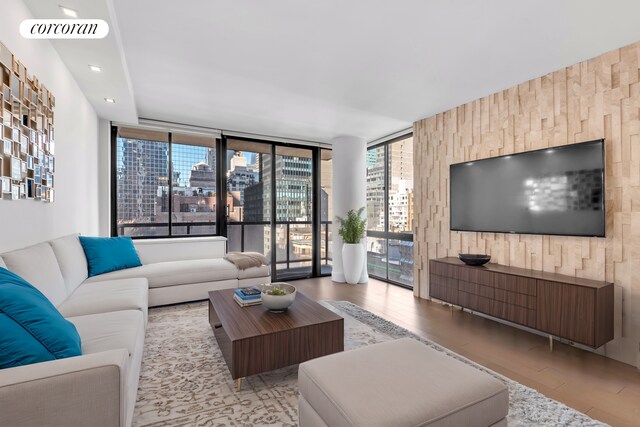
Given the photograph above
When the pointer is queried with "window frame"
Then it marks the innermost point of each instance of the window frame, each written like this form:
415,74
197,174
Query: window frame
114,191
386,234
221,219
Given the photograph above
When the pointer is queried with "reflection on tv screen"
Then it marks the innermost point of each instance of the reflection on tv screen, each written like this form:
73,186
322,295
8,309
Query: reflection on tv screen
553,191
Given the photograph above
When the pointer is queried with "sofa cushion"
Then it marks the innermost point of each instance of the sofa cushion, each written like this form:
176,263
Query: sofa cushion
38,265
104,297
106,254
33,330
71,259
252,272
172,273
403,383
116,330
110,331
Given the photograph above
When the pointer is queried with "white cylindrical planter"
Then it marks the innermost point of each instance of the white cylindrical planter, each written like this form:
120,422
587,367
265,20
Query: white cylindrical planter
349,192
352,261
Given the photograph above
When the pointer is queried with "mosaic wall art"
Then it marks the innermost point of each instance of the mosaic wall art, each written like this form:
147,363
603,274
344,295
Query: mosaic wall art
27,147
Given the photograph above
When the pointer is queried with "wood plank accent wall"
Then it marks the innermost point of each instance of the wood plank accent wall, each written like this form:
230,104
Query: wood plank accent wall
598,98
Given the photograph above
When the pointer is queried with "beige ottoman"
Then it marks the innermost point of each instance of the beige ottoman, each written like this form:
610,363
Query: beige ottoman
398,383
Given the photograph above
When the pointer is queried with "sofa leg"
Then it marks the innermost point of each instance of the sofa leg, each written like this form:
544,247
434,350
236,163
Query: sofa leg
238,384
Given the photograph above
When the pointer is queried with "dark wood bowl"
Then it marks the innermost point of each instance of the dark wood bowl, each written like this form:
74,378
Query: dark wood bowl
474,259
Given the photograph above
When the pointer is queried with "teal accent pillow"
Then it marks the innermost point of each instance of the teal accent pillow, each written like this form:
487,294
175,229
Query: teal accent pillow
32,330
105,254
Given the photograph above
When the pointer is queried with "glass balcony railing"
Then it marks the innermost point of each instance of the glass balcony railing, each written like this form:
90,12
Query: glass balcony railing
293,242
390,257
293,239
161,229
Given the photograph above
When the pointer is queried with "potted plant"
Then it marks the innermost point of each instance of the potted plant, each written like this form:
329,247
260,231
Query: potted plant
352,230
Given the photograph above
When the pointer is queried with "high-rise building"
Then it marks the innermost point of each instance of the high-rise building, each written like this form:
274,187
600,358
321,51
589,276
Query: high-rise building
202,176
253,162
211,160
294,199
142,169
294,191
254,203
400,210
240,175
257,197
400,187
375,189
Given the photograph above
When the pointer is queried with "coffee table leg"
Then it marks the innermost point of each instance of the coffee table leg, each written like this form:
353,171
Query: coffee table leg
238,384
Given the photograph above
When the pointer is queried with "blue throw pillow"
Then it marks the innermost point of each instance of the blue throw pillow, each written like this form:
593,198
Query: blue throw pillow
105,254
32,330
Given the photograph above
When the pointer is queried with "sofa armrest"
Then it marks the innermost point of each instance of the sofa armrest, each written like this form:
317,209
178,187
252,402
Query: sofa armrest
180,249
77,391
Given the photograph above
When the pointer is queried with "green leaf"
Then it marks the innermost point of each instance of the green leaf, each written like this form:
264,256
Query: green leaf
353,228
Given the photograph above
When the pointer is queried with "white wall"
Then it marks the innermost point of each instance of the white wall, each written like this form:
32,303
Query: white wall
75,209
104,177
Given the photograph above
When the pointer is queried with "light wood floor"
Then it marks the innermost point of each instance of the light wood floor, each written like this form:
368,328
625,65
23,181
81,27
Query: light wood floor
604,389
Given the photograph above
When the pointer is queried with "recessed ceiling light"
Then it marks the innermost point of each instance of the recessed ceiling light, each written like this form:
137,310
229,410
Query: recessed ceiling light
95,68
110,100
69,12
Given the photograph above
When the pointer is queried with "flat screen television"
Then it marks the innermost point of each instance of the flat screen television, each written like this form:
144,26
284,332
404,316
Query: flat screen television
558,191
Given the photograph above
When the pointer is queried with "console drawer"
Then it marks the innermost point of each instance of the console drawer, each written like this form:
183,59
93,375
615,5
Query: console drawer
443,288
444,270
476,289
515,298
476,275
475,302
514,313
521,285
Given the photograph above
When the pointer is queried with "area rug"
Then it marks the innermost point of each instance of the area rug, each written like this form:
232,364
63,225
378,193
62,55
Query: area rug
185,380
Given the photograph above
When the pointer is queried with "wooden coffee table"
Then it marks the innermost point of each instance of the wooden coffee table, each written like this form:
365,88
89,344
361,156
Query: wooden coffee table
254,340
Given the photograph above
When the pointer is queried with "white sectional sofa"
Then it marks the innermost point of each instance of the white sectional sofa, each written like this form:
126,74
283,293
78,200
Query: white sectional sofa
186,269
110,313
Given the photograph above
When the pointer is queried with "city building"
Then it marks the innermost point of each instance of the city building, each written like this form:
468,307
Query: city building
240,175
142,169
375,189
400,209
203,176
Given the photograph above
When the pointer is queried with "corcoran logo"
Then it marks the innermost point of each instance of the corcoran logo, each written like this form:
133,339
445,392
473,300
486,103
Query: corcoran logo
64,29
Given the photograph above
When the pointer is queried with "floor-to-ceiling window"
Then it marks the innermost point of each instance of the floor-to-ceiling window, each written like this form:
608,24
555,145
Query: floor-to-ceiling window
273,198
294,212
193,171
248,202
165,183
142,183
390,211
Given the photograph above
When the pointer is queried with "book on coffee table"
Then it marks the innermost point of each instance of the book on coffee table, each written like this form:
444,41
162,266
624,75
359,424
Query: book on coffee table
248,296
245,302
249,292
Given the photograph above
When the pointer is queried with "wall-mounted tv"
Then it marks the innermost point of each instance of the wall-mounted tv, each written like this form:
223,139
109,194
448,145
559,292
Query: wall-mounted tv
557,191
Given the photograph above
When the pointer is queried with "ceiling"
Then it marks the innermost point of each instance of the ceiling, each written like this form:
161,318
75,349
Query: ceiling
113,82
316,70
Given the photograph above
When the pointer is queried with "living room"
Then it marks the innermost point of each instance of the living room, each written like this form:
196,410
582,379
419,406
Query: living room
319,214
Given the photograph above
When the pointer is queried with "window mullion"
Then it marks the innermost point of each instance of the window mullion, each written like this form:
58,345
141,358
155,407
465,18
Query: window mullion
170,187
